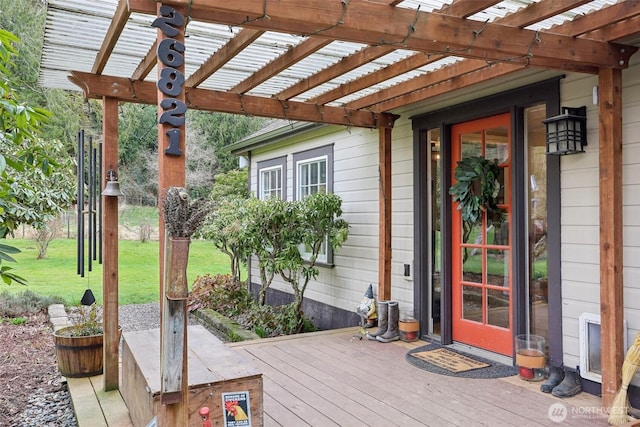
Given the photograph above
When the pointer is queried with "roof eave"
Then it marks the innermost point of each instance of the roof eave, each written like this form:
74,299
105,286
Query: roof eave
244,146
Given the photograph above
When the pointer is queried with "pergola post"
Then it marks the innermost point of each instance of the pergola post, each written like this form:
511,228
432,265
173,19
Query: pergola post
110,247
171,24
384,219
611,281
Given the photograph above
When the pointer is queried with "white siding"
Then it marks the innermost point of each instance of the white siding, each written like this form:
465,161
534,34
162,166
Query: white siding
356,181
580,212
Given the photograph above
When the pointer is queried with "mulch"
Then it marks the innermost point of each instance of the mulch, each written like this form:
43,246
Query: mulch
27,363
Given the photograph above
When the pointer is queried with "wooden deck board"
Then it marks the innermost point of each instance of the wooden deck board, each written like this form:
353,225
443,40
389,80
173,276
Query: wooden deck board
328,378
85,403
114,410
376,385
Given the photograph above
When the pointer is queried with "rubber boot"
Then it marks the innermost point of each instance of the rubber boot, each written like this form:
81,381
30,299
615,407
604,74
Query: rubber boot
392,333
383,311
570,385
555,377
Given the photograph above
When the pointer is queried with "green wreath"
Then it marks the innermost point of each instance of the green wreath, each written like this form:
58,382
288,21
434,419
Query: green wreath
476,189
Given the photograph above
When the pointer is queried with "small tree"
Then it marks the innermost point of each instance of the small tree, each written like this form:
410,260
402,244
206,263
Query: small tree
22,157
317,223
225,225
273,230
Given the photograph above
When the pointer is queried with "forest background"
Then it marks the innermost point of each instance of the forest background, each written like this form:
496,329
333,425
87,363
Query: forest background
206,133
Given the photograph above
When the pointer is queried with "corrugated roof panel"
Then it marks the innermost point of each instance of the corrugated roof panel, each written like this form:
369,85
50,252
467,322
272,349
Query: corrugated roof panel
75,29
571,14
425,5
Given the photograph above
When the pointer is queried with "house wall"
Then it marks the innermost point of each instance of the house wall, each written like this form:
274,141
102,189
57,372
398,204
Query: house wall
356,181
580,212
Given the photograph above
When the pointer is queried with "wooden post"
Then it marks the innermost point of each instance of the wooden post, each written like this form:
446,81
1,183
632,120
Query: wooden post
171,23
611,282
384,221
110,246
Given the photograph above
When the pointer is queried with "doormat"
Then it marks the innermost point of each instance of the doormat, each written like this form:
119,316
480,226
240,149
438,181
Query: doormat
441,360
449,360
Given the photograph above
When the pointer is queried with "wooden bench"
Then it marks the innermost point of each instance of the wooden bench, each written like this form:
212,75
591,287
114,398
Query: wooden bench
214,370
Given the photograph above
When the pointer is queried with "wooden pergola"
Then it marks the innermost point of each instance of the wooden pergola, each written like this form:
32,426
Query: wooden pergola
354,63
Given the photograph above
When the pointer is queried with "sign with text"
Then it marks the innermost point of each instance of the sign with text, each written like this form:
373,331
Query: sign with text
236,409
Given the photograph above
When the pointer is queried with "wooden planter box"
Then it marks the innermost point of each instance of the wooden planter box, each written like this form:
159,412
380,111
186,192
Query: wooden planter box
214,369
78,356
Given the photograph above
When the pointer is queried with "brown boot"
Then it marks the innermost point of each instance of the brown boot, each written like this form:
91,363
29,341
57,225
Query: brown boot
383,312
392,333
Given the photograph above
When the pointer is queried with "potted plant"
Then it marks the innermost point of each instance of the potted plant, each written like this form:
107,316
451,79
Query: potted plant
79,346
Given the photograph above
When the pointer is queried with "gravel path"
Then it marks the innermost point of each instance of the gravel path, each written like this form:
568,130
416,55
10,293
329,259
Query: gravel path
140,317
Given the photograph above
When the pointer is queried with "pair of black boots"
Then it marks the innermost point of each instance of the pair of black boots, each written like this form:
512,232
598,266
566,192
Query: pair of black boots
562,383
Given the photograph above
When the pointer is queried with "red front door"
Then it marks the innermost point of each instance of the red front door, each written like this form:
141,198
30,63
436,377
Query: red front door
481,259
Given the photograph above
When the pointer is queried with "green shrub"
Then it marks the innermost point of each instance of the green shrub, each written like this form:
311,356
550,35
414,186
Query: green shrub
24,304
233,300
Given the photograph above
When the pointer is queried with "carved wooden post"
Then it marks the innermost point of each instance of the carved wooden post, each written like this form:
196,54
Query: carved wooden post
181,219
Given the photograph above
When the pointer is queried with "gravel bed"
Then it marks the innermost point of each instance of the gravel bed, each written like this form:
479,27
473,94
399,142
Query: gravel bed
51,406
140,317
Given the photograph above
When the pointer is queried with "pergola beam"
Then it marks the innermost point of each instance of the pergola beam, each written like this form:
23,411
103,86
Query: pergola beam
293,55
111,38
447,85
466,8
347,64
405,92
127,90
375,24
223,55
600,19
540,11
527,16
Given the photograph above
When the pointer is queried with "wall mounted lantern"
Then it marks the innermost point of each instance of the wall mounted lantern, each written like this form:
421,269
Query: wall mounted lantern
112,188
567,133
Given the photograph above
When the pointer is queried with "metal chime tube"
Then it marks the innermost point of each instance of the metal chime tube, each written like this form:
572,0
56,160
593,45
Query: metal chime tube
91,195
99,163
80,202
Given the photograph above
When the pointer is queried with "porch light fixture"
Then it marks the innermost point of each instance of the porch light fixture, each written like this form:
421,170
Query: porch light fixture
112,189
567,133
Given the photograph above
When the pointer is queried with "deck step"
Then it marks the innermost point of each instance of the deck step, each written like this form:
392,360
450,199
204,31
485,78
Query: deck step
95,407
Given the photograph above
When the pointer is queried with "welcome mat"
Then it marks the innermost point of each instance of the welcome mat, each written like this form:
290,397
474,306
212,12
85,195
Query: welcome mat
438,359
449,360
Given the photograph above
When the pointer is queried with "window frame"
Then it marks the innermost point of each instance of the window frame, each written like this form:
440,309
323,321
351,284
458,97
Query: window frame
270,165
308,156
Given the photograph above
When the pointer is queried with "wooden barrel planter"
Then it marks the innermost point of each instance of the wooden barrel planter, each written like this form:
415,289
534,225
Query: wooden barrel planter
78,356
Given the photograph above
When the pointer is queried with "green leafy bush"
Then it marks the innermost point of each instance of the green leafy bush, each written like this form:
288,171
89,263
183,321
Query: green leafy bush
23,304
233,300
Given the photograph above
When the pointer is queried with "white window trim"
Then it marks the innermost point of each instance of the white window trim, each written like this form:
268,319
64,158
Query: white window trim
271,164
309,156
266,170
310,161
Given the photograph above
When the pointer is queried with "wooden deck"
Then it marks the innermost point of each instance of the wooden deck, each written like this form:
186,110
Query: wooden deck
330,379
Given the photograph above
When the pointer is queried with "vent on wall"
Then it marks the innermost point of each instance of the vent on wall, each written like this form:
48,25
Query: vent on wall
590,361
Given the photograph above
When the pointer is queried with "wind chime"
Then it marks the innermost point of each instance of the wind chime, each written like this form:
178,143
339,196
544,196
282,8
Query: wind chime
89,210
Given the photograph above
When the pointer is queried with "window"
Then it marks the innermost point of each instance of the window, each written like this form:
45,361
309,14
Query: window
271,178
314,173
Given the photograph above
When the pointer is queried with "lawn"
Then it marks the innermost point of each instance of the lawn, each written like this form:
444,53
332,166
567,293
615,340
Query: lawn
138,269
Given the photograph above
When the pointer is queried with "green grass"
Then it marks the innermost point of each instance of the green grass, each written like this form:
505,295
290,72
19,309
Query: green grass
138,270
